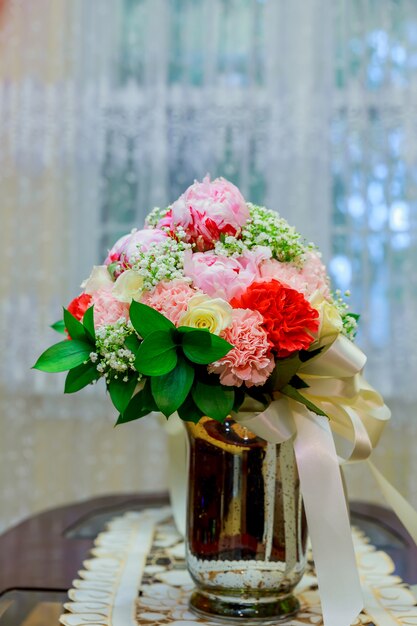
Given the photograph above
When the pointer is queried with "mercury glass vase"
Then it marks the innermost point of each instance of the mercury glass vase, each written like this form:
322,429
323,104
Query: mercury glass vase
246,527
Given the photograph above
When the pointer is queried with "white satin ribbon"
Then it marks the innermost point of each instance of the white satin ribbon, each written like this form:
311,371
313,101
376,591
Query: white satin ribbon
324,503
357,415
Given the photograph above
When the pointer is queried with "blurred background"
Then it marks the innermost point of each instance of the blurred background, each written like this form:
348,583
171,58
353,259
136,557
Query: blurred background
111,107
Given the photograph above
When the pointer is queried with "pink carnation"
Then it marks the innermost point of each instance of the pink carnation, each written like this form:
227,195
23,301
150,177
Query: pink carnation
206,210
170,299
250,361
107,310
309,278
221,276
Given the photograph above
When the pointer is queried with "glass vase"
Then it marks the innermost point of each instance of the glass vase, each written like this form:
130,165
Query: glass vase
246,528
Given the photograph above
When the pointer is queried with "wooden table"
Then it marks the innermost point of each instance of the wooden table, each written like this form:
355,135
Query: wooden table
40,557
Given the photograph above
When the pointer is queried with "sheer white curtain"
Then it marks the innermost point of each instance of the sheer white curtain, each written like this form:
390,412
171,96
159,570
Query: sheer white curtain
110,108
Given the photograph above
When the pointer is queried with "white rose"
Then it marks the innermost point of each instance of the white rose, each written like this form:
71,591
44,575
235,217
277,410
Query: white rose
213,314
98,279
331,323
128,286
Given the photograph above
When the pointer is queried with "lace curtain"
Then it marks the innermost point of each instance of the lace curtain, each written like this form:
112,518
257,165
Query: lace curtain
110,108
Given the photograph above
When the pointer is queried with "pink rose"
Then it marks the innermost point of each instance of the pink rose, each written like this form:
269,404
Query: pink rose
250,360
107,310
206,210
170,299
222,276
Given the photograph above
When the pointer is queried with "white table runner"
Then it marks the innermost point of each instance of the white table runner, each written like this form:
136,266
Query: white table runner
137,576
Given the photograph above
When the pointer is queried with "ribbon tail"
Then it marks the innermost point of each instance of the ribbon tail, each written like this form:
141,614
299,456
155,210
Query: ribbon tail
327,518
403,509
178,472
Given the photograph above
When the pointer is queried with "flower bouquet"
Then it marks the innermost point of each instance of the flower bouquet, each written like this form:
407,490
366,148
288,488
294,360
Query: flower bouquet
219,308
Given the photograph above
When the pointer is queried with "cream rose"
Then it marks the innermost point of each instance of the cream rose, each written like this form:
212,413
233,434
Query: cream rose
213,314
128,286
98,279
331,323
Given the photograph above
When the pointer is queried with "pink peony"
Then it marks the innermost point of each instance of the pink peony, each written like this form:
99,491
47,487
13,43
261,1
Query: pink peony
114,253
170,299
222,276
250,361
107,310
308,279
206,210
139,241
126,249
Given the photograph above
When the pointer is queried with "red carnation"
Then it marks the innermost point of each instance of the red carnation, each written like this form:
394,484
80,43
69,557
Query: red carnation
289,319
79,305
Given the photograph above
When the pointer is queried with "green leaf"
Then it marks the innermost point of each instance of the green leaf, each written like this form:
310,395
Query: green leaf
121,392
63,356
132,343
355,316
170,390
289,391
284,370
75,329
59,326
80,376
306,355
140,405
202,347
216,401
88,322
298,383
146,320
189,411
157,354
239,399
111,268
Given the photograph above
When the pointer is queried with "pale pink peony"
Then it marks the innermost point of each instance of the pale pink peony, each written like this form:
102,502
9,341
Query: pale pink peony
170,299
139,241
126,249
114,253
308,279
250,361
221,276
107,310
206,210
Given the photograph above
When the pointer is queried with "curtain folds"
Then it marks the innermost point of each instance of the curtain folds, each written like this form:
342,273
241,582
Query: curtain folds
108,109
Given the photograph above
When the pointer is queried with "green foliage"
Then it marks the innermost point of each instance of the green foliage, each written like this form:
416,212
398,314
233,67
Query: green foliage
80,376
202,347
157,354
140,405
121,391
189,411
88,323
291,392
63,356
147,320
214,400
75,329
171,390
59,326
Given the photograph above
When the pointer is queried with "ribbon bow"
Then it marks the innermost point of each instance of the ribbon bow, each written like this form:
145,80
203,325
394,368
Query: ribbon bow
357,415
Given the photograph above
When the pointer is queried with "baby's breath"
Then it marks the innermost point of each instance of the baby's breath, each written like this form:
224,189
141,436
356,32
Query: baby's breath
155,215
267,228
350,320
162,261
114,359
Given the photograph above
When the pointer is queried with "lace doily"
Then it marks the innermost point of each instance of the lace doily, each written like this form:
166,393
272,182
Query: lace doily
137,576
